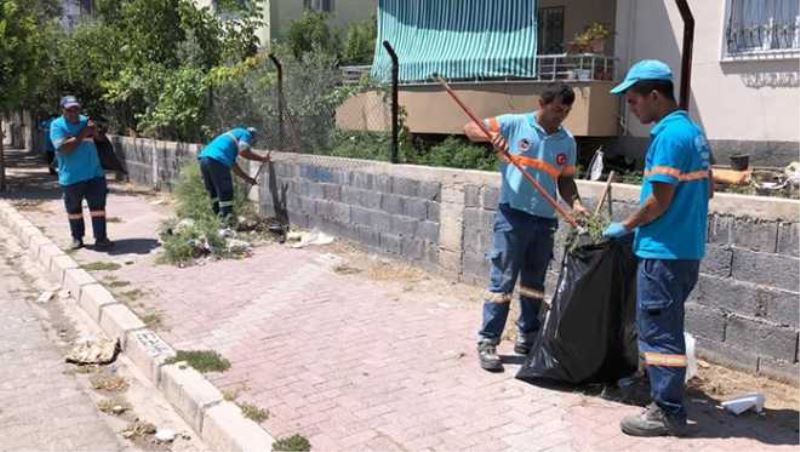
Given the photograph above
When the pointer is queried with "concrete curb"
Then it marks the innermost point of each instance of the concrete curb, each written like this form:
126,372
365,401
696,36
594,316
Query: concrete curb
220,424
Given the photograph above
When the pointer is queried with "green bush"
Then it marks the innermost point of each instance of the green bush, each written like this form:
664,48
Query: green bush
179,110
359,42
195,222
311,32
457,152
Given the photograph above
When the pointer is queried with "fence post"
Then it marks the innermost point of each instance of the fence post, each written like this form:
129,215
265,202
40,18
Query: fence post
278,65
395,102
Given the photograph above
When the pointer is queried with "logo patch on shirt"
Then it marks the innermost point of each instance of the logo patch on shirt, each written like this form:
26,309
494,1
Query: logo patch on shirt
524,144
561,159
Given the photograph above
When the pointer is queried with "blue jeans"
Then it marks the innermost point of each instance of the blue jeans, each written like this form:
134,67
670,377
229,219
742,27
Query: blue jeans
94,191
219,185
662,288
522,245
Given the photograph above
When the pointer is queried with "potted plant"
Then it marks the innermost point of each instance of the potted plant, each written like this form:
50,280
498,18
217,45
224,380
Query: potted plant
591,39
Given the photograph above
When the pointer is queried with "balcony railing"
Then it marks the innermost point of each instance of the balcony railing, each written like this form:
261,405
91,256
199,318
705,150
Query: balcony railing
566,67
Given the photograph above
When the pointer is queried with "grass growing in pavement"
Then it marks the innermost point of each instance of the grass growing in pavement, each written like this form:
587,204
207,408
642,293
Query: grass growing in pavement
102,266
296,442
118,284
202,360
153,320
131,295
113,282
253,412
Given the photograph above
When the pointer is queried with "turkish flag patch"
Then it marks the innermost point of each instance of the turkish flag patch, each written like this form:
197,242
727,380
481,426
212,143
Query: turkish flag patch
561,159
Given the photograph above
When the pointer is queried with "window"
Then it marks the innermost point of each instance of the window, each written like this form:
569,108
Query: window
550,35
325,6
755,27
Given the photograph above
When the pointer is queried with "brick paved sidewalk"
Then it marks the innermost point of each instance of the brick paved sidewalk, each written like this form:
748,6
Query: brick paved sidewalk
356,362
41,406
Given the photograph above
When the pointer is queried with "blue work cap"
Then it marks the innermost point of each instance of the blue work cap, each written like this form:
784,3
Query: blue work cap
644,70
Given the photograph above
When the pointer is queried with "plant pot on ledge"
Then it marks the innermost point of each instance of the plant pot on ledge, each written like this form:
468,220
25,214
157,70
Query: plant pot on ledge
598,46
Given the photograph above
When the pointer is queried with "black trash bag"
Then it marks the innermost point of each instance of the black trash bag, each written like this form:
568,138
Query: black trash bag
589,333
108,158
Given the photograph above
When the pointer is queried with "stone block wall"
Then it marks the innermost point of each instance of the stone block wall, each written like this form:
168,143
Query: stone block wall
744,312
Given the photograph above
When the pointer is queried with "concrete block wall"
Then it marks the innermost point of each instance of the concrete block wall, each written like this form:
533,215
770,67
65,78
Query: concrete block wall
744,312
388,213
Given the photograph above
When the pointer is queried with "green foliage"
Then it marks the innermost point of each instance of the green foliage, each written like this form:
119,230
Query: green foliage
196,224
253,412
296,442
359,42
26,28
152,30
456,152
201,360
179,110
86,61
102,266
311,32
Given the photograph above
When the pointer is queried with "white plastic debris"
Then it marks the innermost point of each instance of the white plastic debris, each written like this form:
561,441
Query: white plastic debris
88,351
596,165
165,435
792,173
305,239
46,296
184,226
754,401
237,246
226,233
691,359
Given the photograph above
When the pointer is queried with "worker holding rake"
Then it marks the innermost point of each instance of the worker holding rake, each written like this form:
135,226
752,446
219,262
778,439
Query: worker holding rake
218,159
525,223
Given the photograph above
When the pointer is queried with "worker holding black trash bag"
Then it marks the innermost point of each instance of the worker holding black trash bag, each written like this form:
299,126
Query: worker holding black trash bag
670,229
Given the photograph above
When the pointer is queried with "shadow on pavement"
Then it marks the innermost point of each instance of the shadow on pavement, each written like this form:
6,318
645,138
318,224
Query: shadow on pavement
707,420
132,246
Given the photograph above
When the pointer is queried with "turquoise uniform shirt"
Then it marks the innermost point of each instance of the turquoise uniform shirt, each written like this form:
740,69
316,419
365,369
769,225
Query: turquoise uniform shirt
82,163
226,147
678,155
545,156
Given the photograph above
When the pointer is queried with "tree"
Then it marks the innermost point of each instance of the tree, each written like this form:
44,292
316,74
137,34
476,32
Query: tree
25,27
359,42
311,32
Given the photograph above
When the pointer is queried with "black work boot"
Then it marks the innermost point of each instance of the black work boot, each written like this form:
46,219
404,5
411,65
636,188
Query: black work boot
521,346
652,422
487,353
103,243
76,244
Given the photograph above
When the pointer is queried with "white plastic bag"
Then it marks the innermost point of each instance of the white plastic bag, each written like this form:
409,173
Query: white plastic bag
691,359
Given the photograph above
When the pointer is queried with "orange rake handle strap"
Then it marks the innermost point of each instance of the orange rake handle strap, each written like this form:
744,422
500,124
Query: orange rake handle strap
509,158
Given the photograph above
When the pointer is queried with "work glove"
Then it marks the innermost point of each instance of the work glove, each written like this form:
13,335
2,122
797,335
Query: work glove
615,231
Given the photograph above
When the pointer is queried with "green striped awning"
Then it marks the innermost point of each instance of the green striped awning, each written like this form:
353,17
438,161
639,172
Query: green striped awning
458,39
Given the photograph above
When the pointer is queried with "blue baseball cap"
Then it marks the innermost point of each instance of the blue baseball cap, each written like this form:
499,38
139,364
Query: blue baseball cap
253,133
69,102
644,70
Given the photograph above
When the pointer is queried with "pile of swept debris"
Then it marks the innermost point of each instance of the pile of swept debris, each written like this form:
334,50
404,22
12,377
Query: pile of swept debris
762,181
188,241
196,235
